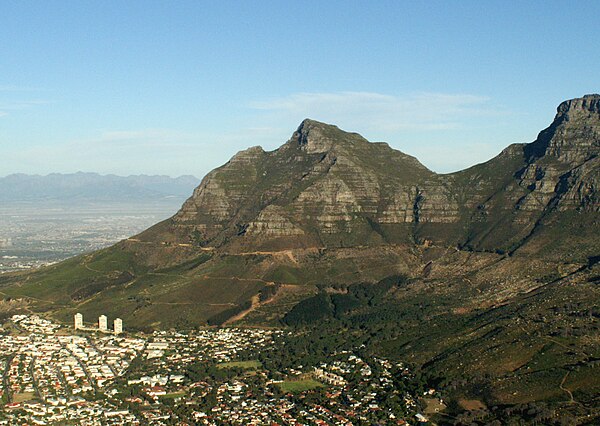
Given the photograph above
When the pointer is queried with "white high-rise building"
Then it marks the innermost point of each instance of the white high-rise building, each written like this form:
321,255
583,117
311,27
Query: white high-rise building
103,323
78,321
118,325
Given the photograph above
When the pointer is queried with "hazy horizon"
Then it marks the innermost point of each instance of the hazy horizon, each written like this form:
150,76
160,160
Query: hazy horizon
99,174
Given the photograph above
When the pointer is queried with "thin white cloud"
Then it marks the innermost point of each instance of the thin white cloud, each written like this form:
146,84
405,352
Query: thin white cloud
143,137
446,131
420,111
17,105
15,88
12,106
12,98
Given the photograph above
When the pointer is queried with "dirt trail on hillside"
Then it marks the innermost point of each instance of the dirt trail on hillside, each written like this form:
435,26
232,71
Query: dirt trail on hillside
256,303
282,253
564,389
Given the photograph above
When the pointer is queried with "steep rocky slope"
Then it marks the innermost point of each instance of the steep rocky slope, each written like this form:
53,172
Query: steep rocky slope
323,188
326,188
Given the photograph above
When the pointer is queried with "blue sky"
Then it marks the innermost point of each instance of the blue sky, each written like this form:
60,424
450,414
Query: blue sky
177,88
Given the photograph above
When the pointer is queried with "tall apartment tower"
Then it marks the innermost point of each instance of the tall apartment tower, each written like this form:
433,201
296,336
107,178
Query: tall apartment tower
103,323
118,325
78,321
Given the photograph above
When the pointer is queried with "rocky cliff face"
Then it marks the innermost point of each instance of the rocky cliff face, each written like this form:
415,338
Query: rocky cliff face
562,153
329,188
559,174
574,136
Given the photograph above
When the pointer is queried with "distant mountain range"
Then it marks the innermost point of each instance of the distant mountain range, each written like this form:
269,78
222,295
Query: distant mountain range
93,187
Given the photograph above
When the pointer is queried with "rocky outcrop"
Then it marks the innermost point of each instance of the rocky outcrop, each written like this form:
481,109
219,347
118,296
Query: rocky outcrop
322,181
271,222
401,207
436,204
580,188
313,137
221,193
577,137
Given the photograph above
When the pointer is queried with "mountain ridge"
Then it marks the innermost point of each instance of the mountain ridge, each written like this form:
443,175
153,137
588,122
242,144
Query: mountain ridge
451,272
427,197
90,187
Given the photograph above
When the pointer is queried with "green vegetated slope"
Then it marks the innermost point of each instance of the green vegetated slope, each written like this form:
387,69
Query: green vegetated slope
208,288
498,261
536,346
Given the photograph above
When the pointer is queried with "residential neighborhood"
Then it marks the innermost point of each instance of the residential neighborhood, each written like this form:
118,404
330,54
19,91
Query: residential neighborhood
58,374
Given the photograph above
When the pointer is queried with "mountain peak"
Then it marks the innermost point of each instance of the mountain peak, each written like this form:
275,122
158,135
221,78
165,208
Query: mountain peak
307,124
310,136
574,135
586,104
316,137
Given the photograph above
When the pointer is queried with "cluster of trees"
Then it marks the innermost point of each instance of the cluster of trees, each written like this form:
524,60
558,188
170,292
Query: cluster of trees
268,291
339,302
